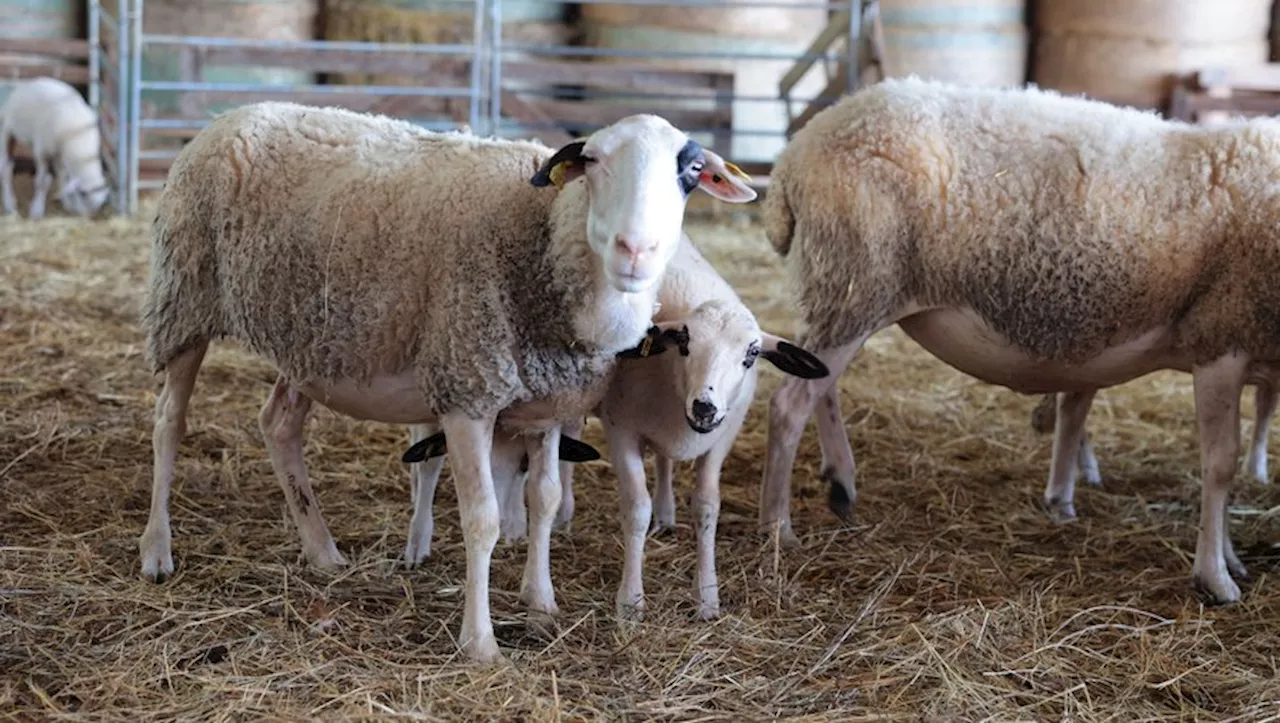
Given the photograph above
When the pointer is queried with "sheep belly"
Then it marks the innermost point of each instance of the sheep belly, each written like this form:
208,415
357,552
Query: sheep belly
964,340
392,398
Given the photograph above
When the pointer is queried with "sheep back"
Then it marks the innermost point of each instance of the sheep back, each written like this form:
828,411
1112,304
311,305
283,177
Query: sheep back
1067,224
340,245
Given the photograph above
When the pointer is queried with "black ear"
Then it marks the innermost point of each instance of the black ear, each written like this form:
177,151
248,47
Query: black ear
432,446
679,337
795,361
654,342
570,154
574,450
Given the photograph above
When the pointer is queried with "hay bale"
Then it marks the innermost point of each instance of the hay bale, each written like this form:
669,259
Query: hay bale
44,19
438,22
718,30
1131,51
975,42
253,19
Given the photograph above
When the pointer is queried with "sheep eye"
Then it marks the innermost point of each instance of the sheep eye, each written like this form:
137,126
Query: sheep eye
752,352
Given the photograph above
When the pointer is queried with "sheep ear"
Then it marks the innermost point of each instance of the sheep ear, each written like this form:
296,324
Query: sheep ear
567,164
658,339
575,450
791,359
724,180
432,446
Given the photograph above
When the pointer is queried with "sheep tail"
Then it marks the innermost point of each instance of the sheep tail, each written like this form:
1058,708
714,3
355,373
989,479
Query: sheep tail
779,221
1045,415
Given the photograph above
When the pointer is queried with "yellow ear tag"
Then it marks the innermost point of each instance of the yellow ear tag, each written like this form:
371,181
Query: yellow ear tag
736,171
646,346
557,174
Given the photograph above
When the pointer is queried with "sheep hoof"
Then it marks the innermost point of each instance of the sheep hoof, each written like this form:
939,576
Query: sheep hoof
838,499
709,610
1060,511
330,560
157,556
662,528
1215,590
483,651
543,625
630,609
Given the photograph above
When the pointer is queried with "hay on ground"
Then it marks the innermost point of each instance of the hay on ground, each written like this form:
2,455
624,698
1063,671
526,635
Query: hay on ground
951,597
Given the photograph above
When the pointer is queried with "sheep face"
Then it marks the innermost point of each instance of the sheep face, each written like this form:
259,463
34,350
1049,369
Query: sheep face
719,344
82,196
639,173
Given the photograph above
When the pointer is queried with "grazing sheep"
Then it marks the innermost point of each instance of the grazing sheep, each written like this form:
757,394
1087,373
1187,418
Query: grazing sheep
686,406
1040,242
1044,418
54,121
410,277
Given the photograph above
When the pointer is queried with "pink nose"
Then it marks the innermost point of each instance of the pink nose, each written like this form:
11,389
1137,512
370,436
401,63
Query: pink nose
633,249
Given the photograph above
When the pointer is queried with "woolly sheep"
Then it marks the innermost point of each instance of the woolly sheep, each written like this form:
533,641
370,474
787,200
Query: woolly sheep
1045,415
686,406
410,277
54,121
1040,242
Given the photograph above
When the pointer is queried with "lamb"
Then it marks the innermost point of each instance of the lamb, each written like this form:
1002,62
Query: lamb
1062,490
410,277
54,121
686,406
1041,242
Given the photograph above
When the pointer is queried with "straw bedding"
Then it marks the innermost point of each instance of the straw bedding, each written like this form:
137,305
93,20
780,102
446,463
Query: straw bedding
951,597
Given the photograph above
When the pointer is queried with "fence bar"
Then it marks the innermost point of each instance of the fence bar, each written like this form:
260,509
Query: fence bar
94,60
495,65
209,41
853,42
575,50
477,61
196,86
133,41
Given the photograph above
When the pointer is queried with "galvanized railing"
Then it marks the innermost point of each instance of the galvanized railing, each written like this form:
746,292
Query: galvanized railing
120,79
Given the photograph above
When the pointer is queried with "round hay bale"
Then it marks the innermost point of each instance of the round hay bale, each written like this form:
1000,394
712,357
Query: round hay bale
438,22
1130,52
253,19
718,30
974,42
44,19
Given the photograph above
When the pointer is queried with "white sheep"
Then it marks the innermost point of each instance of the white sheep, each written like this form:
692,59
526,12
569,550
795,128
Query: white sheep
685,406
410,277
1040,242
1061,490
54,121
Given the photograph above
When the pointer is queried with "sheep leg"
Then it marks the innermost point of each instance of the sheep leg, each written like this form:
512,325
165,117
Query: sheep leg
1068,435
543,488
626,453
44,182
6,172
706,513
509,484
422,489
1087,462
789,411
838,466
664,502
564,516
1217,393
282,419
1264,402
155,544
470,447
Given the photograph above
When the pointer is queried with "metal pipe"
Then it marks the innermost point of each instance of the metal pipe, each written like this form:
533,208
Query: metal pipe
477,63
495,65
95,91
576,51
321,45
188,86
133,42
852,44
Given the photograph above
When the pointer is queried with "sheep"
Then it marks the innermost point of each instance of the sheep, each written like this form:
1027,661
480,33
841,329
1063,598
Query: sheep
54,121
1037,241
409,277
1062,490
686,406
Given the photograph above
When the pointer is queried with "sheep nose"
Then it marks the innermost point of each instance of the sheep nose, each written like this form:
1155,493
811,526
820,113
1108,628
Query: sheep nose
703,411
629,246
